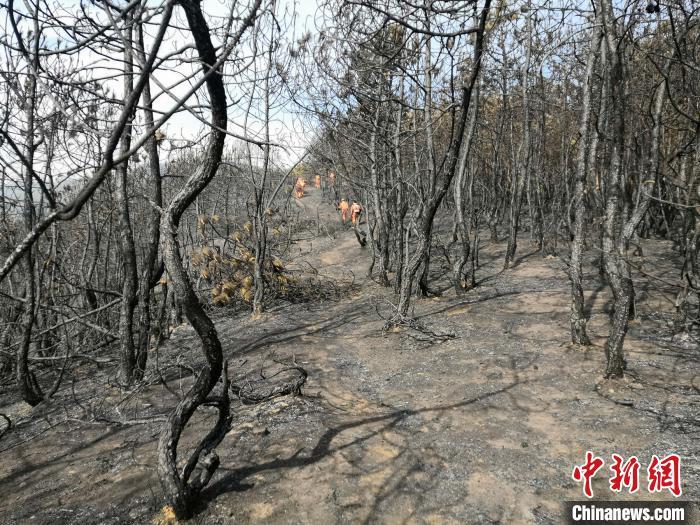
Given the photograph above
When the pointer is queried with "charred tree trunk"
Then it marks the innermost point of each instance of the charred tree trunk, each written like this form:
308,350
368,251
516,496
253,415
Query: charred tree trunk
27,383
401,198
524,167
621,285
260,229
459,277
615,246
439,191
431,176
126,235
578,315
149,271
181,491
496,171
382,237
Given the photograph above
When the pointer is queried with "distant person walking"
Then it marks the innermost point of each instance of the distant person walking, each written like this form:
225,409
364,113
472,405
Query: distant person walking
333,193
299,187
318,182
355,212
344,207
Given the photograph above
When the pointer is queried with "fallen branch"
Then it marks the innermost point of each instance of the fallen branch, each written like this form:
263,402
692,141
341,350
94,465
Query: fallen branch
9,425
254,391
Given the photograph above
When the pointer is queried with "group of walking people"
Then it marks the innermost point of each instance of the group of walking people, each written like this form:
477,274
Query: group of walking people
354,210
300,185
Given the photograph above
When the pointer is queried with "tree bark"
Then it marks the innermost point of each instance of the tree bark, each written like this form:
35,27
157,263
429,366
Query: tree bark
382,237
621,285
260,218
464,225
149,269
578,316
27,383
179,491
524,165
127,248
430,207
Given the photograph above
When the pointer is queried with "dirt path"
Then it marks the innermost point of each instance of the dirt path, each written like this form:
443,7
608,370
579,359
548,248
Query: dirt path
334,249
484,428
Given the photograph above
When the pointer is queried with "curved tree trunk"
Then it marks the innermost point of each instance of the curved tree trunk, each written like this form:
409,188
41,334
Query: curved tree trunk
182,488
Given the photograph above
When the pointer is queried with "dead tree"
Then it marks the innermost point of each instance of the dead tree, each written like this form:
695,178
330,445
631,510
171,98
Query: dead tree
462,280
522,171
26,381
182,488
151,269
127,247
578,315
448,169
620,283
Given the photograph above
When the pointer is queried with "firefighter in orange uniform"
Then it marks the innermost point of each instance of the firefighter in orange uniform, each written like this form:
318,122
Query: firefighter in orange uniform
355,212
299,187
344,207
